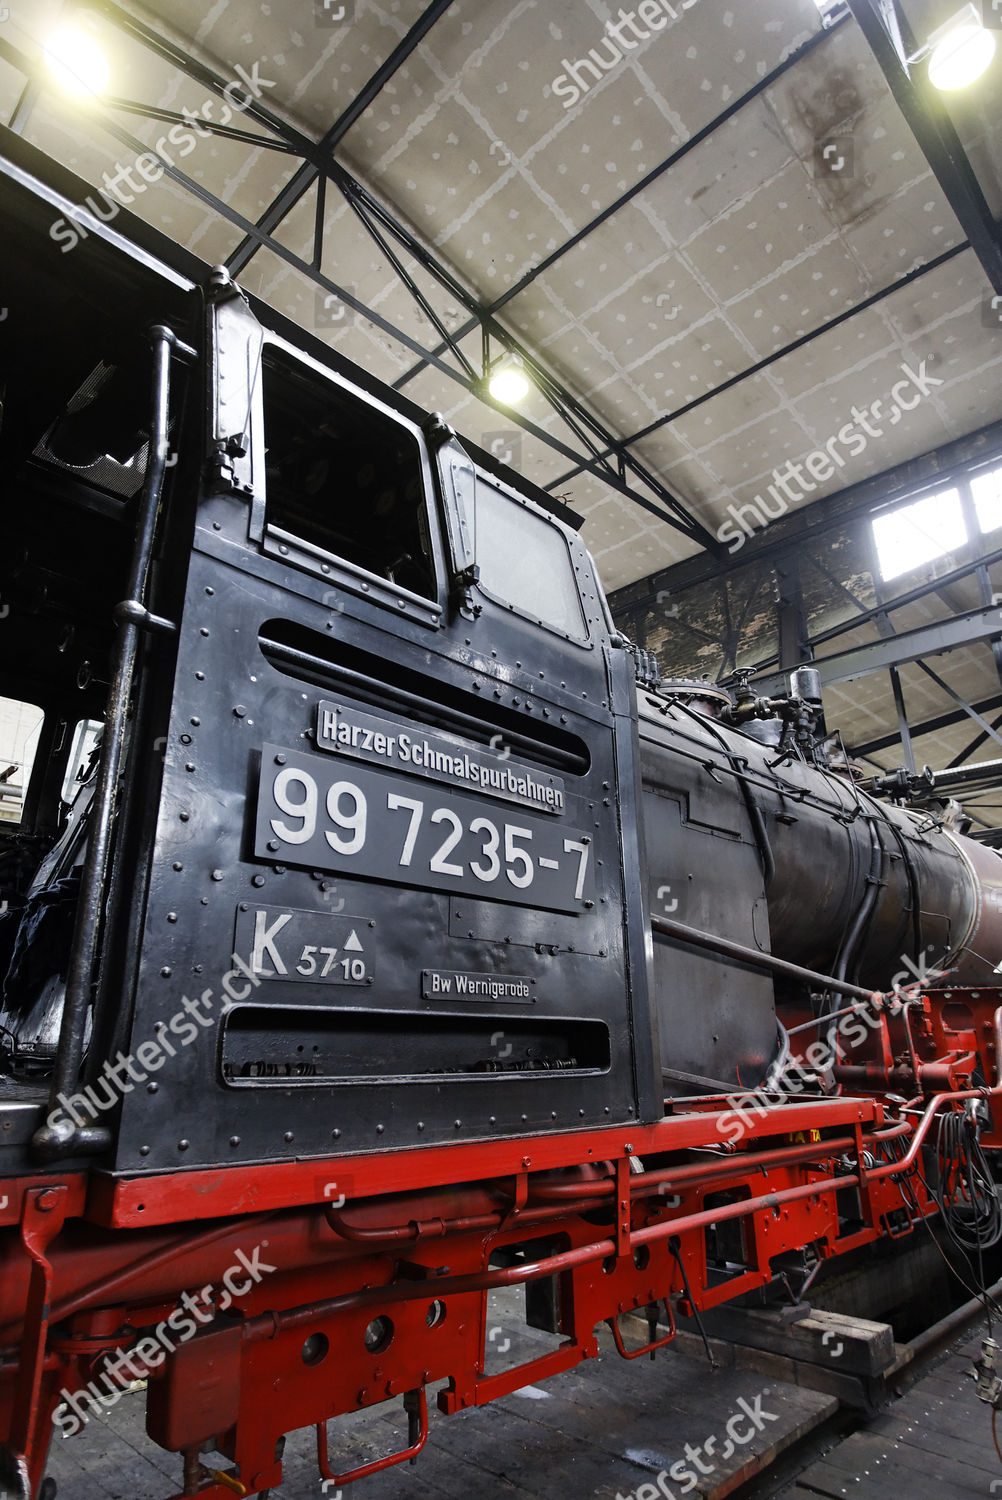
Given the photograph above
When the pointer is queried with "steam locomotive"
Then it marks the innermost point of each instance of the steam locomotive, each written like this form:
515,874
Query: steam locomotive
369,898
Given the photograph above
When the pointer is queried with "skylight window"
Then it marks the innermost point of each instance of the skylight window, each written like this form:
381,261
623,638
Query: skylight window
917,534
831,11
986,490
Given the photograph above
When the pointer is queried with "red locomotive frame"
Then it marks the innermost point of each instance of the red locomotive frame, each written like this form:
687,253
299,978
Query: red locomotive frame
407,1253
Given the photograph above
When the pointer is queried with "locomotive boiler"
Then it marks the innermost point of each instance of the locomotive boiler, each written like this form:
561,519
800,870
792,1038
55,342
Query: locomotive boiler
753,837
379,931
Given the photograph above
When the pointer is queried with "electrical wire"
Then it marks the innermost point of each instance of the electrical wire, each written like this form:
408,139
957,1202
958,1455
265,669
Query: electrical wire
739,766
978,1293
965,1193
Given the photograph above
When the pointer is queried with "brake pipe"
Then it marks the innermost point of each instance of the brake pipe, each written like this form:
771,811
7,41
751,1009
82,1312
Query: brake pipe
889,1169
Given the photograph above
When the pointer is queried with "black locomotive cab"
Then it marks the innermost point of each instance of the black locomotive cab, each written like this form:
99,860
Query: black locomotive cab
355,861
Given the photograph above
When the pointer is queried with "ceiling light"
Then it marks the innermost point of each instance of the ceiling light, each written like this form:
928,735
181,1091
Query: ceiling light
76,61
961,50
508,382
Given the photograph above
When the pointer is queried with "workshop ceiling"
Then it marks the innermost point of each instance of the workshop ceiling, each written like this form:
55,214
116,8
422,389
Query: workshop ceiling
484,145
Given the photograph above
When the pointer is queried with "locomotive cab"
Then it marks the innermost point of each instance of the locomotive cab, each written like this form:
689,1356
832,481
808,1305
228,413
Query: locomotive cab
332,817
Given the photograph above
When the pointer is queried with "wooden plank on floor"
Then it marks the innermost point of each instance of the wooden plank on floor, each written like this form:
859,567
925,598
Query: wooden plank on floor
942,1415
655,1439
873,1470
104,1461
860,1346
537,1461
934,1443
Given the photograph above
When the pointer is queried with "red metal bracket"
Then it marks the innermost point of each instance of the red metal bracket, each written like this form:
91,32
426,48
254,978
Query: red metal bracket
377,1464
623,1218
521,1197
43,1213
902,1231
493,1387
644,1348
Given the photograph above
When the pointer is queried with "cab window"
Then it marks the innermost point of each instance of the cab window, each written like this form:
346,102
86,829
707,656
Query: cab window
20,726
344,478
525,562
78,766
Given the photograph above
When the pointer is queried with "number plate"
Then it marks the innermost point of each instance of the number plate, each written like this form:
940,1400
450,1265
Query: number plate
436,757
312,947
496,989
362,822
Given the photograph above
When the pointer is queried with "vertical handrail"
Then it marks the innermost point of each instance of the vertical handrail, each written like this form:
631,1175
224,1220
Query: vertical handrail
53,1140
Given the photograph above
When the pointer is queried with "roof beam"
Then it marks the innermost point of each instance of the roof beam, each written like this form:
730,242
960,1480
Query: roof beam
177,54
975,744
645,182
933,470
929,726
586,428
888,606
301,182
972,713
791,348
897,650
886,29
669,510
